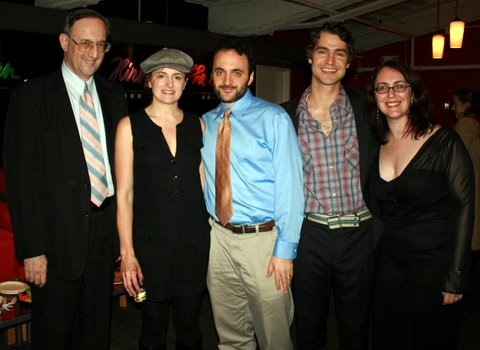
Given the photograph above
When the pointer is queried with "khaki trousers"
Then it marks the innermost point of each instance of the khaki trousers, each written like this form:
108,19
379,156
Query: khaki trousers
246,304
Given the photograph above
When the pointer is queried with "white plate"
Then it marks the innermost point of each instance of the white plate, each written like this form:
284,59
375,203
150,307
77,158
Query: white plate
12,287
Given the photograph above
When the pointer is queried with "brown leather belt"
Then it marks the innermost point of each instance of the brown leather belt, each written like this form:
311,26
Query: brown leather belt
264,227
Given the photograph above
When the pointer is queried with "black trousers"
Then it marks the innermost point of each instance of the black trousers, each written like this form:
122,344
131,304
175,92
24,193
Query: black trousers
75,314
339,260
186,321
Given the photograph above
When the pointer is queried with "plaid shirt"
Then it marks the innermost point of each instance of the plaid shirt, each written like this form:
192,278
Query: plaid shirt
330,163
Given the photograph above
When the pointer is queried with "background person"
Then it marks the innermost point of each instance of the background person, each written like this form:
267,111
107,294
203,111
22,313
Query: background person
64,229
162,221
466,106
251,253
336,249
423,187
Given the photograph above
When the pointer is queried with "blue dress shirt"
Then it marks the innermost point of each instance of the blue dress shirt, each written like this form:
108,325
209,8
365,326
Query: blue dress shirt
266,169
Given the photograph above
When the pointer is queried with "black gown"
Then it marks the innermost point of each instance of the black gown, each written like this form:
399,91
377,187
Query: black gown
428,215
171,234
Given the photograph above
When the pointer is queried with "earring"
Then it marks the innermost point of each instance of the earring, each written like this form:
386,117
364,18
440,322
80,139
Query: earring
378,114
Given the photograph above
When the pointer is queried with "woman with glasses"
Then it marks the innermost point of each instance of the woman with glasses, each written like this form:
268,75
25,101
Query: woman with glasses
422,189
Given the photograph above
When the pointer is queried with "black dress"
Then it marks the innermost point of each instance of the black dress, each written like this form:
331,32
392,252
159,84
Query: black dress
171,234
428,215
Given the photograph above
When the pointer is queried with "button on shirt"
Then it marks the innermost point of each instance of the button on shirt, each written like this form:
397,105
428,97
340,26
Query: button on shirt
266,169
331,163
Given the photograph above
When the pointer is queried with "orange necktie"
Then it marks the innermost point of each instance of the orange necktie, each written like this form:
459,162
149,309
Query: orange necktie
223,186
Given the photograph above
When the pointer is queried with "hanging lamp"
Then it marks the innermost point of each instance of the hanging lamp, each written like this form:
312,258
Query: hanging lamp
457,27
438,40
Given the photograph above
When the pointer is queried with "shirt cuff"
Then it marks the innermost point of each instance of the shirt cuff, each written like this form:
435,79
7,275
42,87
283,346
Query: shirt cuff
285,250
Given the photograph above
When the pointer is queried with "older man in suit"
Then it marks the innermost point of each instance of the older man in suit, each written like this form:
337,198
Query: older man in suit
58,161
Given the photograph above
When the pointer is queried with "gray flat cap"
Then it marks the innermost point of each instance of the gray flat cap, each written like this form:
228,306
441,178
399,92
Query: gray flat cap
168,58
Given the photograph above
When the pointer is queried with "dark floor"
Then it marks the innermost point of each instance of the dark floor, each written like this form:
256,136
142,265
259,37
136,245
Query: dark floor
126,324
126,327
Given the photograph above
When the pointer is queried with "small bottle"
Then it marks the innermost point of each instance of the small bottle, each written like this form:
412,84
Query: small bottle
142,296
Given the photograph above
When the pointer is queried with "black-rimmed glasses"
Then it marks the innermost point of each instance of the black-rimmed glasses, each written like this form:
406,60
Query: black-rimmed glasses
397,87
87,45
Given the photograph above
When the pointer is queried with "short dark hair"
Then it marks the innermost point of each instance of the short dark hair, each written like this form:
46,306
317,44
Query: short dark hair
336,28
420,117
82,13
241,46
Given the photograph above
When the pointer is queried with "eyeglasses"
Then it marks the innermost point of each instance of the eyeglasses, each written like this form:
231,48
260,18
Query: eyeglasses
397,87
87,45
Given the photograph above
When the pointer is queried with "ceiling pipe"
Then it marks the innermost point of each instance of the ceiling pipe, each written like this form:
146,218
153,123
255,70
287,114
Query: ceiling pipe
139,11
337,15
430,68
65,4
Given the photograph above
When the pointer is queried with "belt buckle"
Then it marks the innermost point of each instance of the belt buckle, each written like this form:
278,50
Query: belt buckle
356,220
334,221
353,220
235,228
238,229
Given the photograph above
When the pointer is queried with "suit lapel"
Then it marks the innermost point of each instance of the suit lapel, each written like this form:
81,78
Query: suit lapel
366,140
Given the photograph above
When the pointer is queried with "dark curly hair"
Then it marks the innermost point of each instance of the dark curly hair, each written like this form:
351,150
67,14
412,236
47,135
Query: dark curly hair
336,28
241,46
421,120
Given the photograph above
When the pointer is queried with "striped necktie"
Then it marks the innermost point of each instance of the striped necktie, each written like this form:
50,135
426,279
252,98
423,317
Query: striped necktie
223,186
92,149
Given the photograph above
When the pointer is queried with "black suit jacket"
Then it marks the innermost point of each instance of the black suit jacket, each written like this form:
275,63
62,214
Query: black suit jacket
48,189
367,143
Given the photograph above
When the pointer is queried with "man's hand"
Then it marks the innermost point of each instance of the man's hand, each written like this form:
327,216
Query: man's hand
283,272
36,270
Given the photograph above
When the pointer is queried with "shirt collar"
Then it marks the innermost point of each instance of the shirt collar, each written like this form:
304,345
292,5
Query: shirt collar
303,99
238,107
340,101
73,80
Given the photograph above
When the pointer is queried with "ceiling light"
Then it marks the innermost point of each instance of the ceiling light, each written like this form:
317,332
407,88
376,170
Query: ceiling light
438,43
438,40
457,28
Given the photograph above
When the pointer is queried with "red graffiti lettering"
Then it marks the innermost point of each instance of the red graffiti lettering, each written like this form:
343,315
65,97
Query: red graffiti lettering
199,75
126,72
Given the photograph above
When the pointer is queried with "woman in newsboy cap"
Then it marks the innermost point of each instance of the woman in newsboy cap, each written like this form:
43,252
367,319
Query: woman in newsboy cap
161,216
